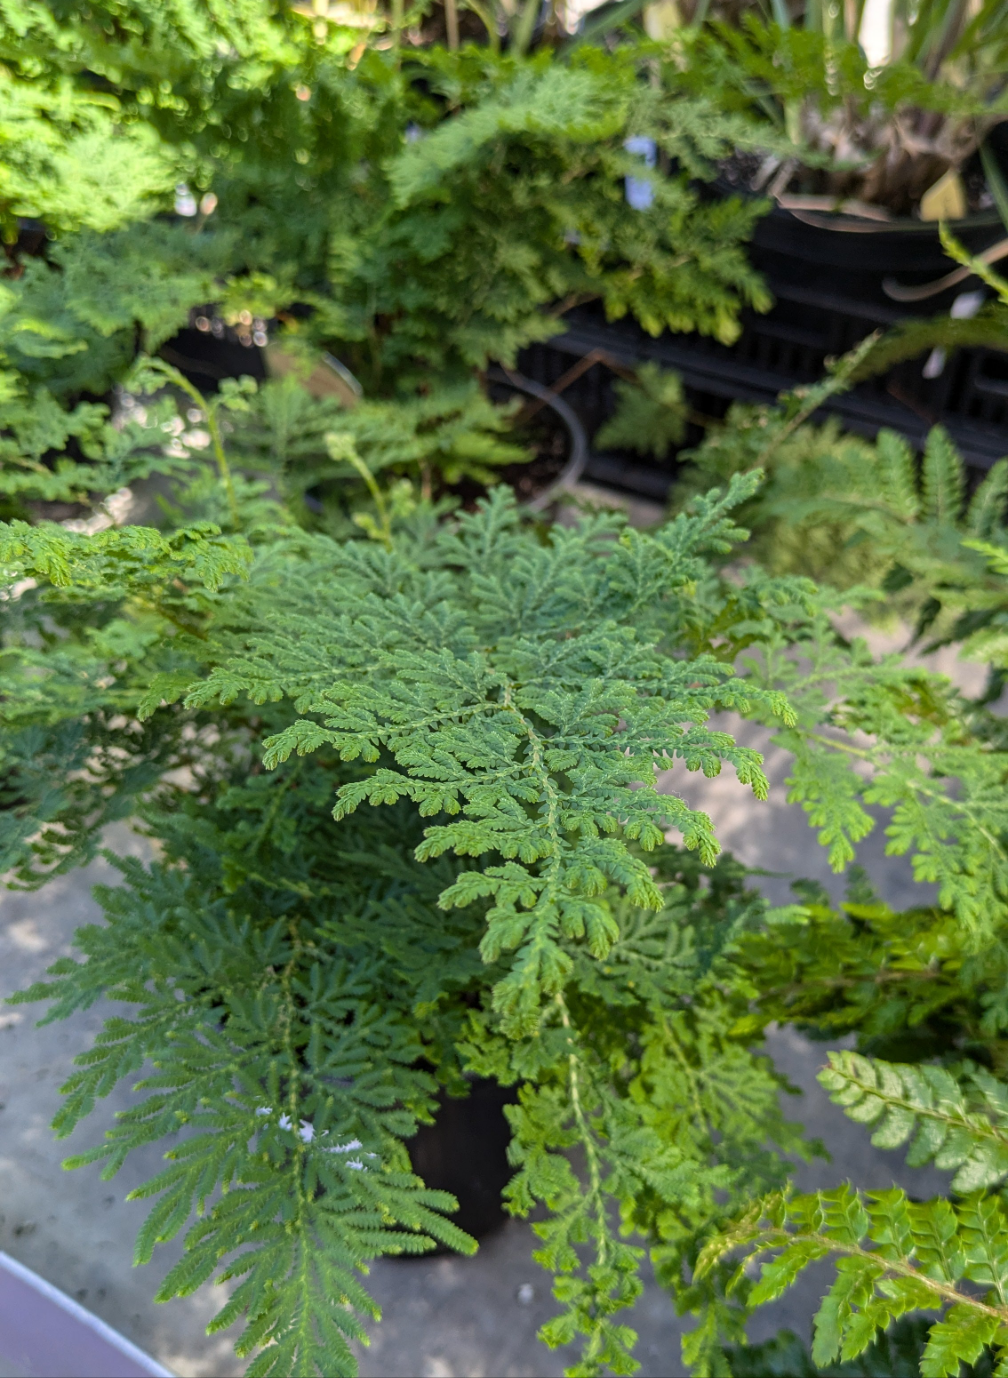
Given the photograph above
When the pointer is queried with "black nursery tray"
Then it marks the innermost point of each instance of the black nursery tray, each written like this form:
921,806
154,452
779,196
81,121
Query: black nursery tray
829,294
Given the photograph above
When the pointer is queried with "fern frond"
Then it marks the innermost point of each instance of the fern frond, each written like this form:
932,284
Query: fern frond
650,416
960,1129
291,1090
942,477
893,1257
989,503
533,742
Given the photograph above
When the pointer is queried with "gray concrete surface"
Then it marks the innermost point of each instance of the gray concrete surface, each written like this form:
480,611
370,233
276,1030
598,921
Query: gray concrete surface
444,1317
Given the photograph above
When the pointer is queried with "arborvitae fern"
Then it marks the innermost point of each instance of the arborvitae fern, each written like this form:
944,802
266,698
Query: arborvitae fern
520,688
893,735
301,987
523,692
281,1047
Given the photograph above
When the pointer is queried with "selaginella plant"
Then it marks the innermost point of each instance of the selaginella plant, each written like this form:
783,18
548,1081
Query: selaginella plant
484,706
922,989
418,838
415,211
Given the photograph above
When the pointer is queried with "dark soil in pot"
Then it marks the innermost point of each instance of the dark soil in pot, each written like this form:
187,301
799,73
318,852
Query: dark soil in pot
465,1152
549,428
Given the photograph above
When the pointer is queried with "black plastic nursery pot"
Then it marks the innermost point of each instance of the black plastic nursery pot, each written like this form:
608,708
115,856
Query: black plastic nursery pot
835,279
465,1152
555,434
209,352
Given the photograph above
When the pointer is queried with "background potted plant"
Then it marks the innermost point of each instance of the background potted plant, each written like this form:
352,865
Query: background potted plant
863,132
416,212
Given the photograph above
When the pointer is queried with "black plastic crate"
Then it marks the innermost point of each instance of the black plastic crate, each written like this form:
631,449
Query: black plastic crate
829,290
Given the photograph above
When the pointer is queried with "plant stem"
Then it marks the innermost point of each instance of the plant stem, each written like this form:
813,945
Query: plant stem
352,457
587,1138
523,30
486,17
223,468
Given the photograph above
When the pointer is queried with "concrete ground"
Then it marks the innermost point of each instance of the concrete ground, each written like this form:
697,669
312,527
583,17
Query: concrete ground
445,1317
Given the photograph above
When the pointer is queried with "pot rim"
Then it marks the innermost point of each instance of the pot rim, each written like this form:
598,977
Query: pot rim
578,457
837,222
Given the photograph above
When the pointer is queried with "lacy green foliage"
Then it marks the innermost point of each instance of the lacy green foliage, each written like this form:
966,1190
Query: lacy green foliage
779,440
879,732
278,1053
916,336
651,413
126,35
75,321
455,432
137,560
78,655
902,524
911,983
894,1256
497,692
916,986
676,1117
875,516
444,251
961,1122
292,975
418,258
517,690
301,984
850,512
69,158
515,207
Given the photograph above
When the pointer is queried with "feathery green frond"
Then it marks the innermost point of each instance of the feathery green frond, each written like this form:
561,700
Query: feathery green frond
650,416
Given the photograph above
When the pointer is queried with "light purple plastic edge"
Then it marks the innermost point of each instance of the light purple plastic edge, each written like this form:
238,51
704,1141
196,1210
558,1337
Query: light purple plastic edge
46,1334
